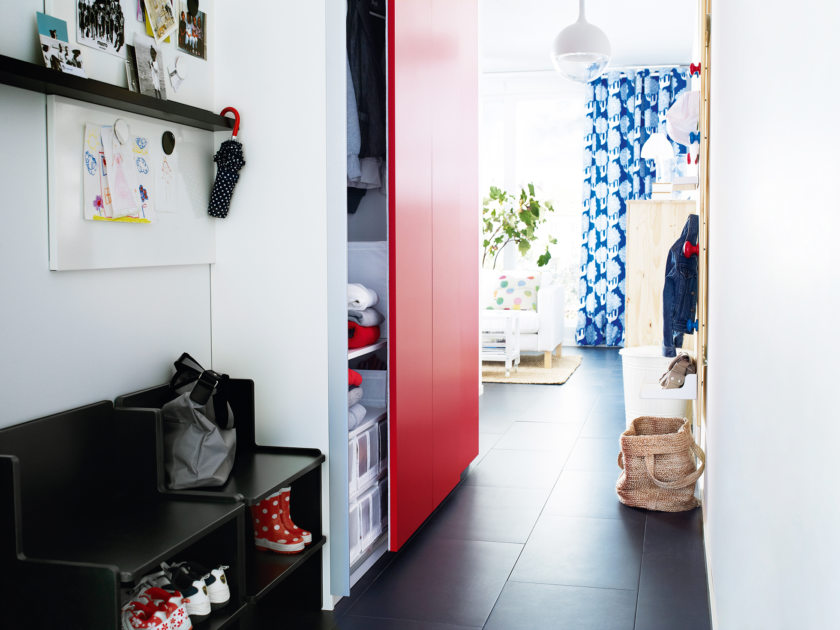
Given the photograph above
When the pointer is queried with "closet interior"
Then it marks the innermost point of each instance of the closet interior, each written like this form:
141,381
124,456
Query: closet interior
368,280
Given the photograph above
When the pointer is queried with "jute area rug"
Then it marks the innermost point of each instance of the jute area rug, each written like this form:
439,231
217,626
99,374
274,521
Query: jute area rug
531,370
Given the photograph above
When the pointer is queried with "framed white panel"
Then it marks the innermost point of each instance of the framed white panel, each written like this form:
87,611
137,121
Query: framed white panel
184,236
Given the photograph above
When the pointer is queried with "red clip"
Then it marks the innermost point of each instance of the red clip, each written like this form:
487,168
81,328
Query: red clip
694,69
688,158
690,250
236,119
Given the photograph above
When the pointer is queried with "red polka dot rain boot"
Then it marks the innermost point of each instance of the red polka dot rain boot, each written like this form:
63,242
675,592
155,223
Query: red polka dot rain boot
270,534
286,516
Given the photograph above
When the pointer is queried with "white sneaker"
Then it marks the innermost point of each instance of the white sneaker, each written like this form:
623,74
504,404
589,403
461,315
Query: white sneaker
217,587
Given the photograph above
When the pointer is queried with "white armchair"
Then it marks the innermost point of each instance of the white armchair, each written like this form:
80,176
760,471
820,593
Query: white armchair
541,330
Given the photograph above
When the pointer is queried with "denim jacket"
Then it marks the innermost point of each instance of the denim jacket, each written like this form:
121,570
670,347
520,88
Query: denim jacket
679,297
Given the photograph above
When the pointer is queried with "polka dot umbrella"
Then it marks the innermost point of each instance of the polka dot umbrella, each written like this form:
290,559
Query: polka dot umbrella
229,160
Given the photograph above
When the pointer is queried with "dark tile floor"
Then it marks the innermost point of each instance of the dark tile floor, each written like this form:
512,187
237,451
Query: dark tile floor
534,537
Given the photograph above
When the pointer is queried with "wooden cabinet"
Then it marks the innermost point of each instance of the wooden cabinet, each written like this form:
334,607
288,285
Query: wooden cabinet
652,227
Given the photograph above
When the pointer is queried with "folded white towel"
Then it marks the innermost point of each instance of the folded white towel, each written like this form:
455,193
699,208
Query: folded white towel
355,416
359,297
354,395
367,317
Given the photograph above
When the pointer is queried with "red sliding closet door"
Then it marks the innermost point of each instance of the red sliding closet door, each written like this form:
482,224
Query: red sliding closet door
433,232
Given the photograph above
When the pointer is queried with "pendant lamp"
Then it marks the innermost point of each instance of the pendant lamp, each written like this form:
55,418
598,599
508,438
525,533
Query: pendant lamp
581,51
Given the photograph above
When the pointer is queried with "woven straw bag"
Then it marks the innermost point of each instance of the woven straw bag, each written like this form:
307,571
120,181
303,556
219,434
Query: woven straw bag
659,469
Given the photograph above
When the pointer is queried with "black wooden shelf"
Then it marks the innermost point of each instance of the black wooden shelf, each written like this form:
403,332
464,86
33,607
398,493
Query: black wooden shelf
30,76
134,536
270,569
258,470
223,618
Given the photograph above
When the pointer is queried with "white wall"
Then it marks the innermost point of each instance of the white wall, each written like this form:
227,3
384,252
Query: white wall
271,281
772,499
72,338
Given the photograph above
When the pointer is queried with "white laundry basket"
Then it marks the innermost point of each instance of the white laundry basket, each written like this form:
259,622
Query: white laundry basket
643,365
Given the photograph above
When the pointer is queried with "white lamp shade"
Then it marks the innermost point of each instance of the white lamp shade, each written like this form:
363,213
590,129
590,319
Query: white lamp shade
581,51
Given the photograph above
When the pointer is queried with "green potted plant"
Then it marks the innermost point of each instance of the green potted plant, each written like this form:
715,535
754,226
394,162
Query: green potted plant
514,218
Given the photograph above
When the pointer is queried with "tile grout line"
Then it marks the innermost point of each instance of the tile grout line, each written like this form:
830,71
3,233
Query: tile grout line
639,582
537,520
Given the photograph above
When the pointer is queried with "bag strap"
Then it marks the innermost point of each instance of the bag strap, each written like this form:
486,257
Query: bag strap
187,370
680,483
213,384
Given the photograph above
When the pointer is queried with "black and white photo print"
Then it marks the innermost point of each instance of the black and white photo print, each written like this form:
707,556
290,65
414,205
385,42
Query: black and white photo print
151,71
100,24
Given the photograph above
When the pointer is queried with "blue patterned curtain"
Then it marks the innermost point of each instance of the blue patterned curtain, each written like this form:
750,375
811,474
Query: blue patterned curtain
623,110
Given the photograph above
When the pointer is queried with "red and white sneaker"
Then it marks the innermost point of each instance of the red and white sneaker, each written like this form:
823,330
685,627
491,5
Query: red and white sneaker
176,579
270,534
285,496
137,615
172,603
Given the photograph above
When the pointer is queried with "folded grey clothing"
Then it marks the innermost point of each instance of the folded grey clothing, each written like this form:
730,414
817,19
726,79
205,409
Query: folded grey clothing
355,416
354,395
367,317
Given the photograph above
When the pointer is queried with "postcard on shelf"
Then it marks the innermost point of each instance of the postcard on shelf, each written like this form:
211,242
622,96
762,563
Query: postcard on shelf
151,72
161,16
192,30
100,24
57,52
49,26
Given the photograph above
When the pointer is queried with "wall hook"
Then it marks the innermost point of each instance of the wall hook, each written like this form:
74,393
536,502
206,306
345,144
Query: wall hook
236,119
694,68
690,250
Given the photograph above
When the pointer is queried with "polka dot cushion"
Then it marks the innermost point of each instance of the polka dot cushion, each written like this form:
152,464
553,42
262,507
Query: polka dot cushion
515,293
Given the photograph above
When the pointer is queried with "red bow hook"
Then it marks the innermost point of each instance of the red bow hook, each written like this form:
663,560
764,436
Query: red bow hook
690,249
235,113
694,68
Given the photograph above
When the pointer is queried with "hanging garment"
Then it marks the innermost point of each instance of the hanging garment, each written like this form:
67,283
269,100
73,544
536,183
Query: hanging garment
679,295
354,198
622,113
366,54
683,118
354,133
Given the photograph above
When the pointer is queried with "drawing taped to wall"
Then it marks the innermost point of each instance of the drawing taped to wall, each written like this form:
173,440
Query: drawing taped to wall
150,67
161,17
131,159
100,24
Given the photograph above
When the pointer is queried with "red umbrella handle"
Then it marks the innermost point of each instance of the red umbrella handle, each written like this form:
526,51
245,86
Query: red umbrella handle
236,117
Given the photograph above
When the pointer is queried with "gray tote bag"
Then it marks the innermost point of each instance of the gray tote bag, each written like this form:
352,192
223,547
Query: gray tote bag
199,434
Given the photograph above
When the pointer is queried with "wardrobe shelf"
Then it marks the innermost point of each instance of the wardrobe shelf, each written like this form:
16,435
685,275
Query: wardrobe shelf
270,569
374,415
30,76
360,352
687,392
